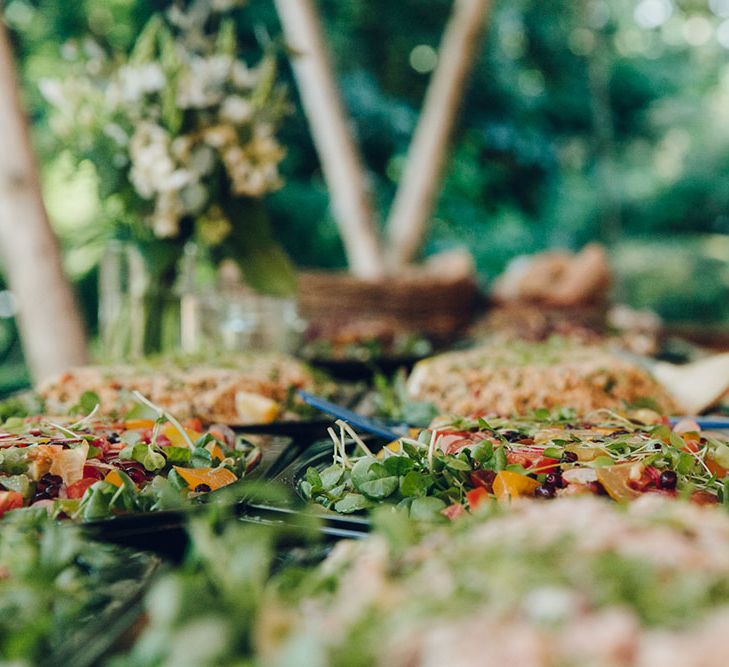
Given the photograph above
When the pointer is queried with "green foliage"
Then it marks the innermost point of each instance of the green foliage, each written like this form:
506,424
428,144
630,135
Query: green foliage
578,124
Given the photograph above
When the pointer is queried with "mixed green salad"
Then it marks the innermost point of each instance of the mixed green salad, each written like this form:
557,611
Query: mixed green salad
457,464
91,469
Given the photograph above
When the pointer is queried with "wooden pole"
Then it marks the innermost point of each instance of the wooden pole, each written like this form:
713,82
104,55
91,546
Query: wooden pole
420,184
50,325
340,161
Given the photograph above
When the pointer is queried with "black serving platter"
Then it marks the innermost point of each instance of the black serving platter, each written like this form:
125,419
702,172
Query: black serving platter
163,532
307,430
331,526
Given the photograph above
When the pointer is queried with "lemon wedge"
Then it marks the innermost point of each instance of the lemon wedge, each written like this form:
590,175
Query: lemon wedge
254,408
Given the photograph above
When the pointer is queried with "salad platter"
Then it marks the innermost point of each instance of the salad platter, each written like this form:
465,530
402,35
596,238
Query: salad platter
455,465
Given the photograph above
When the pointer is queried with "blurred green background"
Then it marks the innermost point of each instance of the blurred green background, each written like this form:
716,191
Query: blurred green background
604,120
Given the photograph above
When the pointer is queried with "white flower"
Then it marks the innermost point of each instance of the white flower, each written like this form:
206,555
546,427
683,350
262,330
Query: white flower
136,82
236,109
152,166
202,82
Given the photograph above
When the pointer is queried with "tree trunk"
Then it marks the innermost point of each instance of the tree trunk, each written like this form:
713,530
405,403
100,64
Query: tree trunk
421,181
340,161
50,325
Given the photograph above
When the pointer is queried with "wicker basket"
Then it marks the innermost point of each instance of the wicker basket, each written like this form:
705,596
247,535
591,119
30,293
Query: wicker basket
414,303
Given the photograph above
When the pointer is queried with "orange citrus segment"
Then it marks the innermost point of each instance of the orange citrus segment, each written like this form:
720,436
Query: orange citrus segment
114,478
215,451
509,484
176,438
138,424
215,478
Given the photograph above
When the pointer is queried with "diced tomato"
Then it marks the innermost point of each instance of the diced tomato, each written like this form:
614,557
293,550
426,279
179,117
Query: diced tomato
476,496
532,459
452,442
453,511
77,489
10,500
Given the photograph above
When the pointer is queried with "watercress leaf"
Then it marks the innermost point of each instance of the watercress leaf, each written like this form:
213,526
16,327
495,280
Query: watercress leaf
685,464
330,477
553,452
352,502
149,457
415,484
482,452
177,455
411,450
201,458
338,491
398,465
306,489
204,440
602,462
380,488
427,508
360,471
96,501
377,471
88,402
313,477
453,463
500,458
19,483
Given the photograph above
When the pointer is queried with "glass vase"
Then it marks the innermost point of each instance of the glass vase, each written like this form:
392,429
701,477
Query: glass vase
139,307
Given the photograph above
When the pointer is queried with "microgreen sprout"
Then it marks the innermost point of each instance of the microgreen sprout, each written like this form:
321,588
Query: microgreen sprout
163,413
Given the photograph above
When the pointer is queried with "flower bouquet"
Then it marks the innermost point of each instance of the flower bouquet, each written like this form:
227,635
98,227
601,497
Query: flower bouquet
182,134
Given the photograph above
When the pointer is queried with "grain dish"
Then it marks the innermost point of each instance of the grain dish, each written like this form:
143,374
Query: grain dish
246,391
506,378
